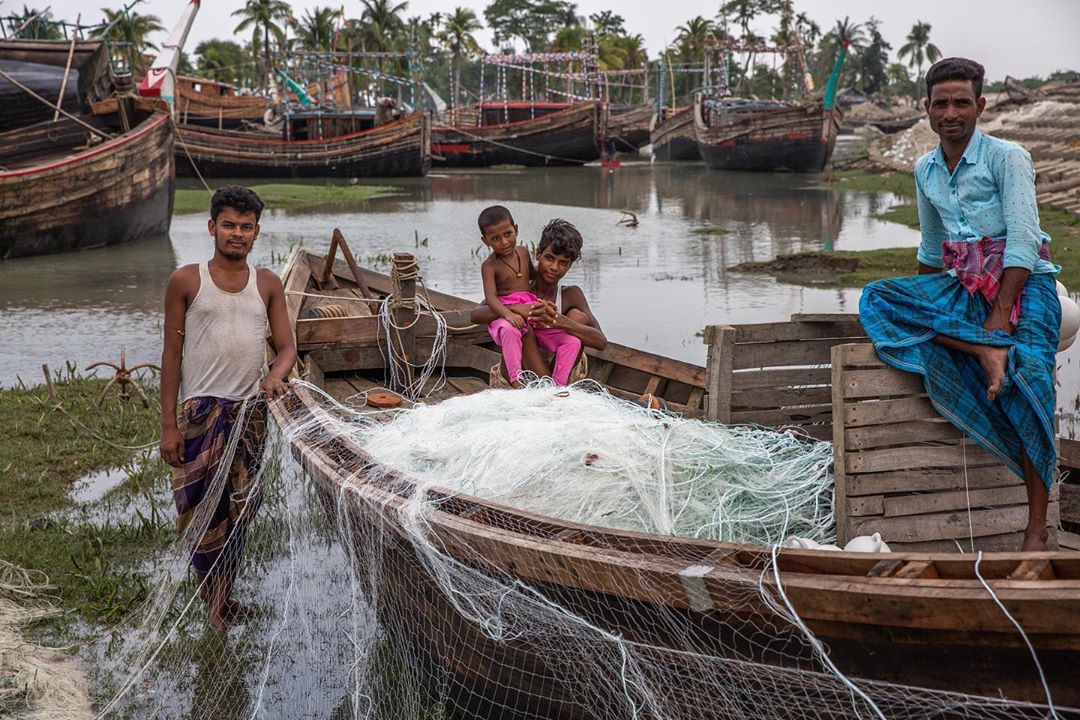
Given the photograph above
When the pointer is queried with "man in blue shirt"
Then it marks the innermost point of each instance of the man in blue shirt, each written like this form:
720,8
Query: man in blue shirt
981,320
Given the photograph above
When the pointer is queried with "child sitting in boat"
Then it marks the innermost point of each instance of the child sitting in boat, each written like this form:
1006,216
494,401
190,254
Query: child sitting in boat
507,275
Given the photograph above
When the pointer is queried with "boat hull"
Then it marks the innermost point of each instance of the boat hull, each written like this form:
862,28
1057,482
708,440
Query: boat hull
567,137
796,138
399,149
629,127
119,191
673,139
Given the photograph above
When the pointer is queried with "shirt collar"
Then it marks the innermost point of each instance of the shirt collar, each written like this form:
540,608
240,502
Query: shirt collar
971,152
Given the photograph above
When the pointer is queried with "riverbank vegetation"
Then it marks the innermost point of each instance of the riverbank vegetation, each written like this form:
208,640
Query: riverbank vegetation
856,268
89,556
279,196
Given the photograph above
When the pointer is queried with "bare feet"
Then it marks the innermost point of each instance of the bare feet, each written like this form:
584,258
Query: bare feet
994,362
218,620
1034,540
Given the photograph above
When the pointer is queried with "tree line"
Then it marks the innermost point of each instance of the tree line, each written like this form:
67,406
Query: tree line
447,43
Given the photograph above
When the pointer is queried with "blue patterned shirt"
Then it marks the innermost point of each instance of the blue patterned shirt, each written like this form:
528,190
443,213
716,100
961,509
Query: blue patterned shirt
991,193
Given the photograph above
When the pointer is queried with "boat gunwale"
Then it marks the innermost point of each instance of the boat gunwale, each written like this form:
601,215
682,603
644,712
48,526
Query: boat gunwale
576,108
239,135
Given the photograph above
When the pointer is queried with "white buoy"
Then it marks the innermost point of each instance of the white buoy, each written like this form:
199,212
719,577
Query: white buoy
798,543
867,544
1070,322
1061,289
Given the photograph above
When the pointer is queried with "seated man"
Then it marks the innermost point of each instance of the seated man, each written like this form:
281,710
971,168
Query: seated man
562,308
985,332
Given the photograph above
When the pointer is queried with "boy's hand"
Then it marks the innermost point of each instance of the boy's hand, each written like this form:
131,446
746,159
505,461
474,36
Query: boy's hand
516,320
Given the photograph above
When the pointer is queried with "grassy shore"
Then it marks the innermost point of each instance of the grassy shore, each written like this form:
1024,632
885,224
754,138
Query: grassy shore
45,450
287,196
855,268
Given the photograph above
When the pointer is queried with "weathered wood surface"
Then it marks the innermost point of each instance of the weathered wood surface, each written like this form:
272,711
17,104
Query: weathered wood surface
62,195
904,472
629,127
90,58
400,148
227,109
673,138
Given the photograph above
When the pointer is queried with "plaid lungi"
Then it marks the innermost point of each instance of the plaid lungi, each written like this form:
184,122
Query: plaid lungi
902,315
216,504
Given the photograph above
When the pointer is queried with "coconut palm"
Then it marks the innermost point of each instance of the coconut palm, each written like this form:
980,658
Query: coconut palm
264,15
130,29
694,37
918,48
316,29
383,23
34,24
457,35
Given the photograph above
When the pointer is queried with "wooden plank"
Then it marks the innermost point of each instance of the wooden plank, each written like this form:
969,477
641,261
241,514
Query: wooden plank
930,480
860,354
780,397
845,330
841,509
865,505
785,416
880,383
1039,569
365,329
886,568
747,379
1069,540
949,525
902,458
313,373
888,412
721,341
954,500
783,354
825,317
1001,542
902,433
1070,502
652,364
916,569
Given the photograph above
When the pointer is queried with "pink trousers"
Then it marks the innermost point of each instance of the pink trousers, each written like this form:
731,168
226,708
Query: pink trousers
565,346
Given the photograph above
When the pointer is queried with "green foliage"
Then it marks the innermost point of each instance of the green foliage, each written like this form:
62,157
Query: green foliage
456,35
316,29
534,23
263,18
918,49
130,30
33,24
286,196
226,61
606,22
871,62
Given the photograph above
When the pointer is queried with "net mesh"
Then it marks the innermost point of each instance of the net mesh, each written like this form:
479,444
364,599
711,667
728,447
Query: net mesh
384,588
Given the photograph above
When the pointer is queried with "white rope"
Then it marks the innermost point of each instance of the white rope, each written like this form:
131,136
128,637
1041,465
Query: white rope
1019,629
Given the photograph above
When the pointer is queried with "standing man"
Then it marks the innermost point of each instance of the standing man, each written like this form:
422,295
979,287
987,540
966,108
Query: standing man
217,315
981,320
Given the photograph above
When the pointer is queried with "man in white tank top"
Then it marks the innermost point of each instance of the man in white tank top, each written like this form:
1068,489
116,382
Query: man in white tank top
217,318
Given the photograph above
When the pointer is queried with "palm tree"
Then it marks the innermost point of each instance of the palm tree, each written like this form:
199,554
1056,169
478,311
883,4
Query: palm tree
918,48
694,37
131,30
384,24
264,15
316,29
35,24
457,35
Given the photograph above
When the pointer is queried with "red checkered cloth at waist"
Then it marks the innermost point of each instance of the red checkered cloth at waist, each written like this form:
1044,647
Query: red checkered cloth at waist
979,265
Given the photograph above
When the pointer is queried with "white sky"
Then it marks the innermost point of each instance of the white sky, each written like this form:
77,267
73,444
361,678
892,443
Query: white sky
1034,37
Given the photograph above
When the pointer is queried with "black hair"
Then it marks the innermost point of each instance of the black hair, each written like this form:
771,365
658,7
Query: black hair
491,216
956,69
562,237
241,199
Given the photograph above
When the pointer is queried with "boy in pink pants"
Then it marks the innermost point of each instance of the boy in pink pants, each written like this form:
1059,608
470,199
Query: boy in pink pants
507,275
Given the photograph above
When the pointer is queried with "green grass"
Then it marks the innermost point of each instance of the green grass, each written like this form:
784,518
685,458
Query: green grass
43,453
710,231
287,195
863,181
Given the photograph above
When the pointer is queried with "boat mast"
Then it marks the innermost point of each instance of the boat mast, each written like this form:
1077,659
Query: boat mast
160,80
834,78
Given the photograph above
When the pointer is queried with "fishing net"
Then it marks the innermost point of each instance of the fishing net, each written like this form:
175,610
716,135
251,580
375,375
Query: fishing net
459,560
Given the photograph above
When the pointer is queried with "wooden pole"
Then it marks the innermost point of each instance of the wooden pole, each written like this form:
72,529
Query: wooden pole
403,275
718,370
67,68
49,383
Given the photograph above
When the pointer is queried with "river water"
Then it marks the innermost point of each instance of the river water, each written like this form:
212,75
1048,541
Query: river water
654,286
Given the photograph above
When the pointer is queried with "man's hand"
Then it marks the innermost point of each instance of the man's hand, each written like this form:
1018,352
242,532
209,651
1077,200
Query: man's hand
543,314
272,387
172,446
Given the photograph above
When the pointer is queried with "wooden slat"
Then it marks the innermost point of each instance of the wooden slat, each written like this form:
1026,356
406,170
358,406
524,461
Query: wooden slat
718,368
839,427
930,479
916,569
1070,502
1069,540
954,500
880,383
780,397
902,458
1069,453
860,354
1035,569
865,505
783,354
784,416
877,436
746,379
944,526
890,411
848,330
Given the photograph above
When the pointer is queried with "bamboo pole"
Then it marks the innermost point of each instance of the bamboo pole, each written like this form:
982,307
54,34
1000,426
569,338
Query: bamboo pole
67,67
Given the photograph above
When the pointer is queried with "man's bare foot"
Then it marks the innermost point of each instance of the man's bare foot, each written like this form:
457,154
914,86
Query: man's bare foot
994,362
238,612
218,621
1034,540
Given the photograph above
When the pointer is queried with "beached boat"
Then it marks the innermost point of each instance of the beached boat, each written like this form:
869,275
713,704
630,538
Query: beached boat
211,103
672,135
521,133
892,623
40,65
66,185
397,149
628,126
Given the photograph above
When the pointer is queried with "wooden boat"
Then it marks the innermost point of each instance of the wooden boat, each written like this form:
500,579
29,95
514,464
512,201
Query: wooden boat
628,126
210,103
40,65
672,136
911,618
521,133
765,136
63,187
396,149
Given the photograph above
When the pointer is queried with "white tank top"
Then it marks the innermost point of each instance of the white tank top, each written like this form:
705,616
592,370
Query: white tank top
224,341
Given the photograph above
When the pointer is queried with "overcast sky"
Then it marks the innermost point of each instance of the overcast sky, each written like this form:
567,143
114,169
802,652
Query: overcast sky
1033,37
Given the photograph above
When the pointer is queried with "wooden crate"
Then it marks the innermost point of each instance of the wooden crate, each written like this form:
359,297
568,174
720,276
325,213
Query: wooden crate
904,471
777,374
